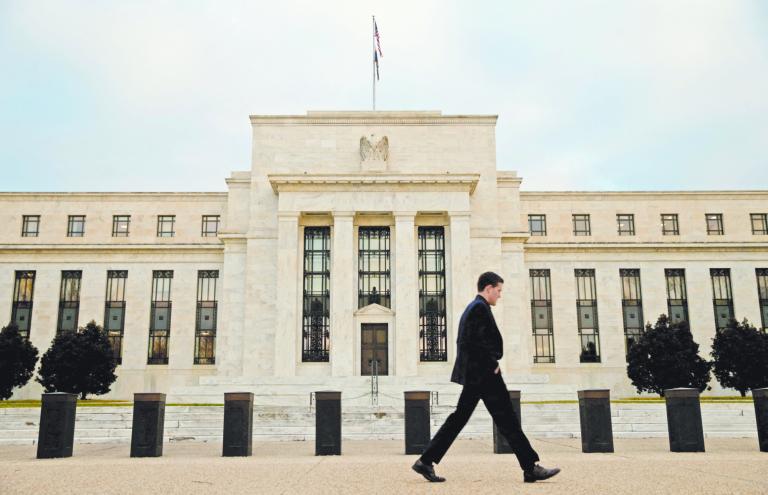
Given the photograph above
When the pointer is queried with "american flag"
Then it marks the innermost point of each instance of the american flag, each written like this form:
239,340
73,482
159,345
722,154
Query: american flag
376,51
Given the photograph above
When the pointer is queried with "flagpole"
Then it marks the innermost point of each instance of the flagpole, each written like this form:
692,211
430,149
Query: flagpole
373,58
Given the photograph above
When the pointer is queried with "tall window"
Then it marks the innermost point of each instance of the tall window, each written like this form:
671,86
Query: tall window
631,305
677,295
541,317
30,225
586,307
76,226
373,266
759,223
210,226
121,225
69,300
21,306
432,324
160,318
762,294
316,308
114,311
722,297
166,225
205,322
714,224
581,225
537,224
626,224
669,225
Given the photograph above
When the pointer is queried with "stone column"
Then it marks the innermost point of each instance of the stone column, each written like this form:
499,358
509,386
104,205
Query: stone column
406,296
343,294
287,336
462,281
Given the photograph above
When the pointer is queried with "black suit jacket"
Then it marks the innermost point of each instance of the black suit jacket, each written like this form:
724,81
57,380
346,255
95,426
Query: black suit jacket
479,344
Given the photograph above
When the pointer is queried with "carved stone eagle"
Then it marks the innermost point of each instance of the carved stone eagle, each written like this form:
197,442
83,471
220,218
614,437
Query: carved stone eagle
375,152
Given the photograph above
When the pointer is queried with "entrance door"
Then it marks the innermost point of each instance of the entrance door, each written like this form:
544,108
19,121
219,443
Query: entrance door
374,348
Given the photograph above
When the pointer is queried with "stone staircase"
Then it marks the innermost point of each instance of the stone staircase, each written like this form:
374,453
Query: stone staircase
293,423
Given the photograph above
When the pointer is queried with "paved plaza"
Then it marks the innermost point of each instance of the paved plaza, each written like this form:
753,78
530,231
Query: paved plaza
638,466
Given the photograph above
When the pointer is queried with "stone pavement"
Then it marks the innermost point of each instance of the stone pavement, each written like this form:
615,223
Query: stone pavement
638,466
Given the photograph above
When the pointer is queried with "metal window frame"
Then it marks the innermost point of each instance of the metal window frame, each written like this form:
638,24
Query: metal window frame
26,278
116,221
315,330
721,286
632,274
71,220
69,278
383,295
584,217
206,222
160,337
582,302
539,217
670,273
206,298
720,228
762,294
763,217
115,336
627,216
537,277
25,224
432,321
162,220
675,230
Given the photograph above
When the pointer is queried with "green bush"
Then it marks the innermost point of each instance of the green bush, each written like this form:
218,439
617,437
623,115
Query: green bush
740,357
17,360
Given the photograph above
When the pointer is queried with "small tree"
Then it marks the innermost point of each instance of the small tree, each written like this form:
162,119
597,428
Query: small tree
17,360
666,356
740,354
79,363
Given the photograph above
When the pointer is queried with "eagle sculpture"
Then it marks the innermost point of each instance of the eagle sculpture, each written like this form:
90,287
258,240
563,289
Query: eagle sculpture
370,151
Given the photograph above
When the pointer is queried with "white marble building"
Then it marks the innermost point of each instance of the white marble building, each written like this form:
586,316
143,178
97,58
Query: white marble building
268,286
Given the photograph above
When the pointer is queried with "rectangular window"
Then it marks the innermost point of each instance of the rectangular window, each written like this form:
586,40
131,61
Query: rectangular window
76,226
541,317
166,225
586,308
316,336
631,306
537,224
714,223
432,319
30,225
669,225
114,311
121,225
626,224
69,301
581,225
759,223
722,297
160,317
210,226
762,294
373,280
205,322
21,306
677,295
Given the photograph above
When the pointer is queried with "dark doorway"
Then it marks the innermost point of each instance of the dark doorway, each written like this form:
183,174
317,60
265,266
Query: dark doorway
373,347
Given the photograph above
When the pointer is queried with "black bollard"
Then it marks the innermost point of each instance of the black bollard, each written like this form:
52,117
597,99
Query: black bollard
500,444
148,424
760,398
686,433
57,425
417,431
595,419
238,424
327,423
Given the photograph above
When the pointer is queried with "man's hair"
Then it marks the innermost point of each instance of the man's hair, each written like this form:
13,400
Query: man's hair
488,278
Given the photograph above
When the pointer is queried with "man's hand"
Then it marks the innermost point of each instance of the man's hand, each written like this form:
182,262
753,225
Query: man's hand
497,370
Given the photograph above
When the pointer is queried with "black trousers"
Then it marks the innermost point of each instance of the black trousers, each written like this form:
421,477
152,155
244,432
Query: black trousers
493,392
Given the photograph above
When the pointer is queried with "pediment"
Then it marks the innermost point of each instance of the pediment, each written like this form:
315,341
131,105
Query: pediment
374,310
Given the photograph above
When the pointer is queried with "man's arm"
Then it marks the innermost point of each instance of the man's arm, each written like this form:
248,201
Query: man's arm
476,341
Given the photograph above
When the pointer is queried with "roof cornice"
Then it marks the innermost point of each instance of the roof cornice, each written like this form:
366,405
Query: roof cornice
362,180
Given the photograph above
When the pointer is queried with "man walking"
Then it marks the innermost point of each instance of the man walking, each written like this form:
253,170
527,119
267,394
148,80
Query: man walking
479,348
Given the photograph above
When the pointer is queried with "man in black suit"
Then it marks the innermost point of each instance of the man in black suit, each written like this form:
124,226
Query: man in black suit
477,368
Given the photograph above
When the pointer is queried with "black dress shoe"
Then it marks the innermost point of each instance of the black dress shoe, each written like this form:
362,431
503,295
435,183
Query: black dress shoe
427,470
539,473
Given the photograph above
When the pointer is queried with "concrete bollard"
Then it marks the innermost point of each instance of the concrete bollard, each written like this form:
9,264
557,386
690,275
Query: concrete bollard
417,430
760,398
595,419
57,425
686,433
148,425
500,444
327,423
238,424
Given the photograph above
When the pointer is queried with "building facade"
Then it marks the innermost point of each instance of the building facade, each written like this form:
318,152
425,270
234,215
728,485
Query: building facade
350,249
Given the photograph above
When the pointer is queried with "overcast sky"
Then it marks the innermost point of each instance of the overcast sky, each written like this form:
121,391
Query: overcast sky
155,96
